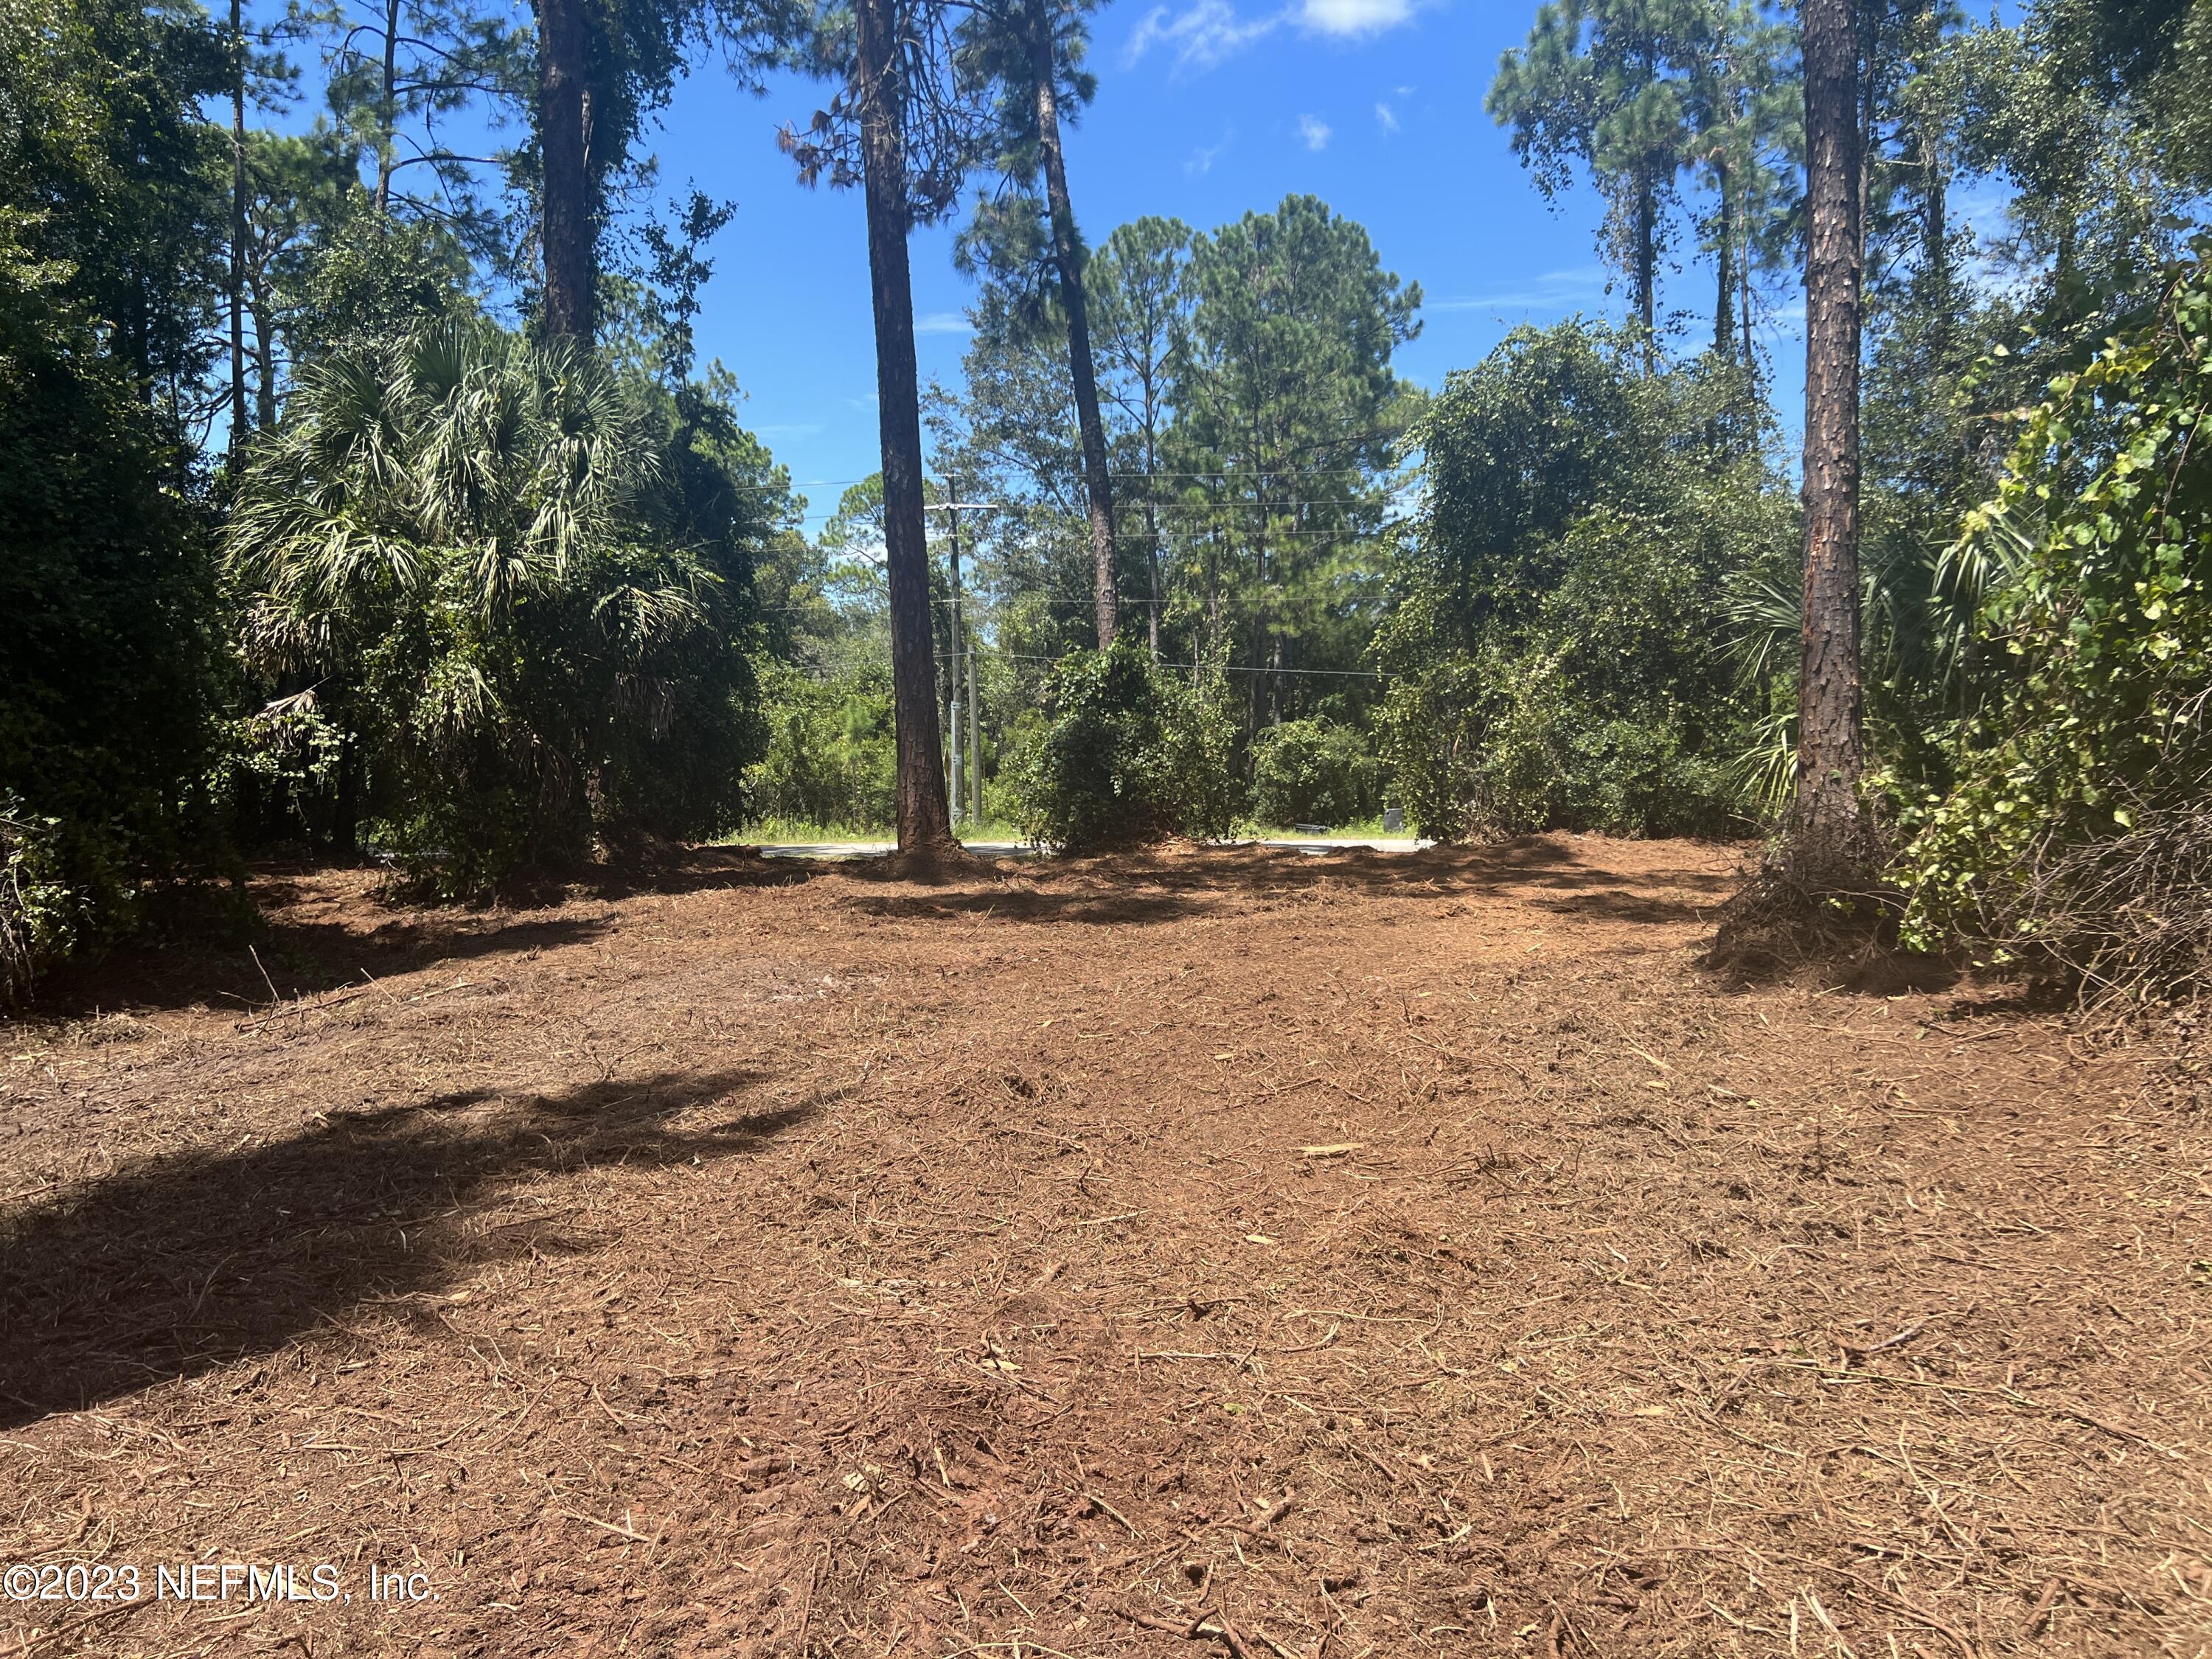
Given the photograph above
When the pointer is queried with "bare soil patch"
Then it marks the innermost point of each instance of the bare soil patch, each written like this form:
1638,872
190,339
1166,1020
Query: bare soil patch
1239,1253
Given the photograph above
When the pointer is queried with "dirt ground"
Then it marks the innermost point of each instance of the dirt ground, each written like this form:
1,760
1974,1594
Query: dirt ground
1238,1253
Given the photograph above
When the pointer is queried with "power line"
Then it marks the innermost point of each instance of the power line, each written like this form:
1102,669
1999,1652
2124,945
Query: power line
1218,505
1264,473
1225,668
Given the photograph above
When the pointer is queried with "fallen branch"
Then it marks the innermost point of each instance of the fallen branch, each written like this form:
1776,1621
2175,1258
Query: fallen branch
1209,1626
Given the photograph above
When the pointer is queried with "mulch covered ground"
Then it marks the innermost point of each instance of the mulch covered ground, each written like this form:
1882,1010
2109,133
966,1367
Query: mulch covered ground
1235,1253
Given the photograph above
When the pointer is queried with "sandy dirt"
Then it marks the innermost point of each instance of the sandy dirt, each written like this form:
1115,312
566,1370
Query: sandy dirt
1244,1253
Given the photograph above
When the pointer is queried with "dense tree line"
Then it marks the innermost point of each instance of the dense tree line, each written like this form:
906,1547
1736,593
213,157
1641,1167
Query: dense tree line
303,542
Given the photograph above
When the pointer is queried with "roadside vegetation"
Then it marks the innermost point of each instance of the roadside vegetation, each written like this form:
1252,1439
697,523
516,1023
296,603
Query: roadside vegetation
345,519
1738,1187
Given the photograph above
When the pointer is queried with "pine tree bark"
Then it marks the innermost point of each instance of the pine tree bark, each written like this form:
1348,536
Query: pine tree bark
238,424
1647,257
1152,561
565,230
924,823
264,356
1829,845
387,110
1725,292
1097,487
1743,292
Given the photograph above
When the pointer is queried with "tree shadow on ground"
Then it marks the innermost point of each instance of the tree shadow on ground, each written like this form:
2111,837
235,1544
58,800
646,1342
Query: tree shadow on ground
296,955
1154,886
172,1265
1645,909
670,868
300,930
313,941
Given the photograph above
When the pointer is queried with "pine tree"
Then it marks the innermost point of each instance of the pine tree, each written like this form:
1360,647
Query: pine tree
905,128
1289,410
1140,281
1830,845
1606,82
1032,50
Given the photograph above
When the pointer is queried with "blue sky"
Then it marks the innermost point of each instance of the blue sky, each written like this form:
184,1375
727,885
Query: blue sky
1205,109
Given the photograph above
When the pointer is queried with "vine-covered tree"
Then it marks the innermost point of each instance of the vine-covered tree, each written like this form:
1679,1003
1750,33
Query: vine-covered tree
603,70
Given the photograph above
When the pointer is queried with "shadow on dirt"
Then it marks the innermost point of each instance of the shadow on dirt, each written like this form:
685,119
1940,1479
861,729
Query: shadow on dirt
296,955
326,928
1606,905
310,940
1153,887
170,1266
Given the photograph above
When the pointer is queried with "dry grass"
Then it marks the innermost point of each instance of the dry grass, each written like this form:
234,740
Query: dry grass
1216,1253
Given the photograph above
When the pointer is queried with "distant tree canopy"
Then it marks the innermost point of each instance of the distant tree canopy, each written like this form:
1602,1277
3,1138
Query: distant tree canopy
1557,655
451,552
1640,93
1254,419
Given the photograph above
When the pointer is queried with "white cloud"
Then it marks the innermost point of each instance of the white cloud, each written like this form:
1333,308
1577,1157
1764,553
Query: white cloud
1203,158
1206,32
1314,132
1386,118
1555,290
942,322
1201,37
1353,16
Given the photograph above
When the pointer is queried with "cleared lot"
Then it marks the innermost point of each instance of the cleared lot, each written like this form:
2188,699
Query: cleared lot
1248,1252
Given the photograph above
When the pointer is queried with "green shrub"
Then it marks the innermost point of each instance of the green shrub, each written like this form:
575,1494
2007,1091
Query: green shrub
1315,771
111,664
1129,754
1429,725
2076,834
40,914
1551,763
1610,708
519,582
831,756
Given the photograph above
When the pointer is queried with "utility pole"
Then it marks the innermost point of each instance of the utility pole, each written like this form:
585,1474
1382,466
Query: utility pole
964,651
952,726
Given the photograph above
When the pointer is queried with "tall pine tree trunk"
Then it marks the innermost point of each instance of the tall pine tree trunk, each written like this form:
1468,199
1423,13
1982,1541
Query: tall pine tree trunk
387,110
1065,255
1743,291
1153,555
264,356
1829,842
238,421
1724,290
924,823
565,227
1646,255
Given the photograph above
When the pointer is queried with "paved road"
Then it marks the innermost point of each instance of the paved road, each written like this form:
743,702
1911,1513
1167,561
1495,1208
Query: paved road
1015,849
